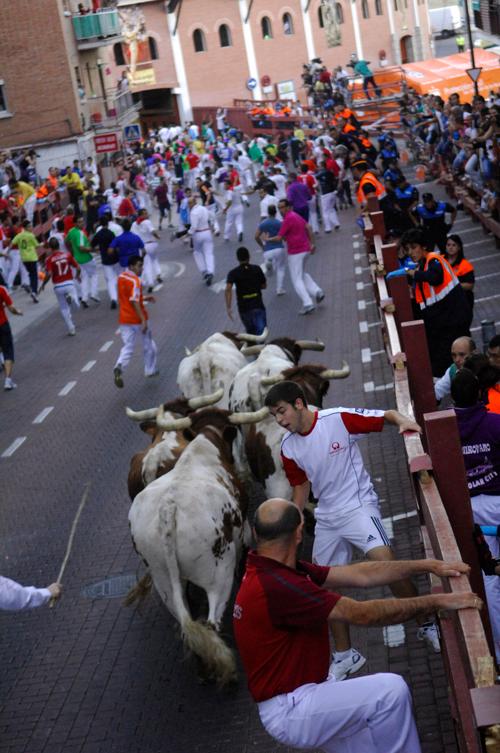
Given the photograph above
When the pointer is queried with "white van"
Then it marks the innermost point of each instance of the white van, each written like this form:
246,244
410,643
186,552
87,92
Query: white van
445,22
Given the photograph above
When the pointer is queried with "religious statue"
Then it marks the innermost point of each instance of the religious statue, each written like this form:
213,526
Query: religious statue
331,23
133,27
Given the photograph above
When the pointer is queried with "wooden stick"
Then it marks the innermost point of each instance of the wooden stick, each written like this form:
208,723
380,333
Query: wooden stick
71,537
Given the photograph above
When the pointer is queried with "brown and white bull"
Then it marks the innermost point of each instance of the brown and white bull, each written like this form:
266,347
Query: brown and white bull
166,446
214,364
247,391
263,442
188,527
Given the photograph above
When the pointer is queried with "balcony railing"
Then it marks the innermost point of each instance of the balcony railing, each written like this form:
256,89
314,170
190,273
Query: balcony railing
115,110
92,26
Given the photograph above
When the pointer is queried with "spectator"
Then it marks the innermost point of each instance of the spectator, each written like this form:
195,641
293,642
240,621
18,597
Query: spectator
461,349
462,268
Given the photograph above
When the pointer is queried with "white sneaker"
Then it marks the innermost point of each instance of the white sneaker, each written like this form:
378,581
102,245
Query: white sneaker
343,668
9,384
429,632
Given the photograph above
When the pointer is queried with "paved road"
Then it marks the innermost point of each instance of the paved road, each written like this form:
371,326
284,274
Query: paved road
92,676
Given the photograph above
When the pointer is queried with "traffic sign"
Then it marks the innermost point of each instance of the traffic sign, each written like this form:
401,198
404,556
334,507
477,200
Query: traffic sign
474,73
106,142
132,132
251,83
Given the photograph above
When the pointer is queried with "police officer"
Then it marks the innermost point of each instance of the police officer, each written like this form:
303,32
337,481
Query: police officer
431,215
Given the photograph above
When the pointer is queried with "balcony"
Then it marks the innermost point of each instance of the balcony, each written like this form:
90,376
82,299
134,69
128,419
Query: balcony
116,110
96,29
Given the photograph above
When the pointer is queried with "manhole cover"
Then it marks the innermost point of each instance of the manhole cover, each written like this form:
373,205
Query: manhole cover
111,588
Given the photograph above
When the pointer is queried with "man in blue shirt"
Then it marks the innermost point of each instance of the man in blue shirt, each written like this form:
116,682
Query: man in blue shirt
274,251
127,244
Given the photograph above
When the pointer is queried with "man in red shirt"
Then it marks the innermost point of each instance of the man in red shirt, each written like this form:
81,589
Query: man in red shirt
126,210
59,267
6,340
133,319
281,620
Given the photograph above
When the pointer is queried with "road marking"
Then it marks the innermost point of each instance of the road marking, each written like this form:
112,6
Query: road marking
370,387
117,331
107,345
366,355
487,298
43,414
355,235
357,257
360,286
482,258
217,287
478,243
363,327
181,270
67,388
394,635
469,230
361,305
358,270
476,329
13,447
89,365
356,244
484,277
374,324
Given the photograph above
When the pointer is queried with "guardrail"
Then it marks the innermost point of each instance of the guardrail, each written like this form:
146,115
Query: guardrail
441,497
88,26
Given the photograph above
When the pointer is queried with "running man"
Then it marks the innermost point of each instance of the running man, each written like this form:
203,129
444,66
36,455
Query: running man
6,339
59,267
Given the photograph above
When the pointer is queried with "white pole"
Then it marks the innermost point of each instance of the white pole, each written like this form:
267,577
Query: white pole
180,69
250,49
357,34
418,32
396,52
306,19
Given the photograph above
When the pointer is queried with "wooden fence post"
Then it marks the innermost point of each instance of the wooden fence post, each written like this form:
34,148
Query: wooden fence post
414,342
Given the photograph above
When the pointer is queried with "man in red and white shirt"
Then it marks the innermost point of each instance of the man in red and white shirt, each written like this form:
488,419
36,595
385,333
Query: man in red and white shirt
60,267
320,452
133,319
6,339
281,617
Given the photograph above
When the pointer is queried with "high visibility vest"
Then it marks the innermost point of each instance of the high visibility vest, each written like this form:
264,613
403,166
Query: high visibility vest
463,268
369,178
426,295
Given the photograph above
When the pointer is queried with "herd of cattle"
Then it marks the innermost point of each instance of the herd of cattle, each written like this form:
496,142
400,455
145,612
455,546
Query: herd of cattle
189,486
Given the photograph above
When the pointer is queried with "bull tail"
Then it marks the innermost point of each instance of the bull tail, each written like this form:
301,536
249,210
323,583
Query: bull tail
139,592
200,638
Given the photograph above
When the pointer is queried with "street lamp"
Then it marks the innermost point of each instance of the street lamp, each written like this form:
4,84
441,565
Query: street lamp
103,87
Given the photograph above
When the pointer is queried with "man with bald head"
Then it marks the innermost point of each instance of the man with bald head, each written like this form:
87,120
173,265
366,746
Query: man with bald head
461,349
281,619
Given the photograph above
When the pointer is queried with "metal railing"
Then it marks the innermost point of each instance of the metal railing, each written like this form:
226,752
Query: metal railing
105,23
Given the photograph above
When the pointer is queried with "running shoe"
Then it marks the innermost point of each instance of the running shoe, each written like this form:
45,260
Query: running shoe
429,632
341,669
117,374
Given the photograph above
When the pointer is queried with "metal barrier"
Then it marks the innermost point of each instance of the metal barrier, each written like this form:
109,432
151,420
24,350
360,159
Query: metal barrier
442,498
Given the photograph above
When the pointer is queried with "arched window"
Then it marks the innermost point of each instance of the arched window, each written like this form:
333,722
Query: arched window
267,29
320,18
288,24
153,48
340,13
118,54
225,36
199,41
378,8
364,9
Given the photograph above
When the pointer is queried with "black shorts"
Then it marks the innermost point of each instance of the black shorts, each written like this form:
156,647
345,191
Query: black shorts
6,342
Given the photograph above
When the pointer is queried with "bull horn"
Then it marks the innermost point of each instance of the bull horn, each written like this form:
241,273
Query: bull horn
200,402
310,344
252,350
267,381
245,337
249,418
174,424
141,415
337,373
187,351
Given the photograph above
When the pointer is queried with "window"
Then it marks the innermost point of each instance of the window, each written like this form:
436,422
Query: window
378,8
225,36
396,6
320,18
267,29
153,48
199,42
288,24
118,53
340,13
3,100
364,9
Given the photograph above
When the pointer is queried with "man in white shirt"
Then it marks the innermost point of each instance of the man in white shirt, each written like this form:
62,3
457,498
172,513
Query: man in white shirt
461,349
14,597
320,452
203,243
233,210
267,200
279,181
143,227
244,164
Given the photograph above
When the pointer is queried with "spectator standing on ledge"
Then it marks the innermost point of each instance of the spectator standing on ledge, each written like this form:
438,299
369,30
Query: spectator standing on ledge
249,281
6,340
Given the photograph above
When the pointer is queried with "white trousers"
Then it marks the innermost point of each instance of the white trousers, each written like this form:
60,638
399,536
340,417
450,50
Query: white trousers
62,290
29,207
90,280
486,511
313,214
212,208
111,272
234,218
129,334
303,283
329,210
367,715
203,251
278,258
152,267
15,266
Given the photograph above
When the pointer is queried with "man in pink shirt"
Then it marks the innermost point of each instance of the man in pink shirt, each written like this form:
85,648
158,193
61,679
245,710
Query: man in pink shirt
300,245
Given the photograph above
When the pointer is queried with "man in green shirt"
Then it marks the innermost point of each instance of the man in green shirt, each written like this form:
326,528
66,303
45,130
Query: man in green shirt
361,68
78,243
27,244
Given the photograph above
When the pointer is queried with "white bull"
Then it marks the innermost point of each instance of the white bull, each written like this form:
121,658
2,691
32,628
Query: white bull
214,364
188,527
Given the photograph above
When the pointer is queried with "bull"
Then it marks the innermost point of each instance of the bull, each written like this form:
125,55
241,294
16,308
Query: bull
188,527
214,364
166,446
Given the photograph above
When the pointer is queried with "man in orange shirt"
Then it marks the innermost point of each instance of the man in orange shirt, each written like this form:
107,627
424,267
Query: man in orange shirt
133,320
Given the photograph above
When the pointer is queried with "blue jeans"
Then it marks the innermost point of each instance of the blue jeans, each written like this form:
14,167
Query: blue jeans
254,321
